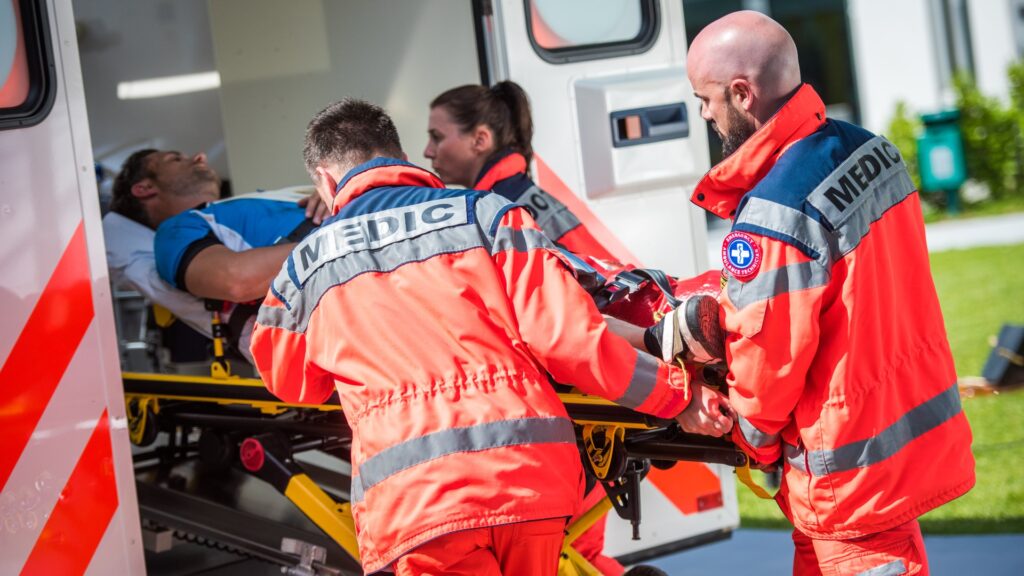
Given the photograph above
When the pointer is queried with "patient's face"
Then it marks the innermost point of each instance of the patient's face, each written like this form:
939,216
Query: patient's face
451,150
182,175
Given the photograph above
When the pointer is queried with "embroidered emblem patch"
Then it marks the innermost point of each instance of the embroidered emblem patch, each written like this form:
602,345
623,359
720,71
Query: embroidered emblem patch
741,255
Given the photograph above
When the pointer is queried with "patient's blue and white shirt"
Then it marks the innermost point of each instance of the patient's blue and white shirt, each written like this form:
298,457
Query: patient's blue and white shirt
241,223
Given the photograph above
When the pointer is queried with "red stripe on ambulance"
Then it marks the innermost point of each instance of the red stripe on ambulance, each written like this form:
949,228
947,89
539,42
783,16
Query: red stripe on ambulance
84,510
44,349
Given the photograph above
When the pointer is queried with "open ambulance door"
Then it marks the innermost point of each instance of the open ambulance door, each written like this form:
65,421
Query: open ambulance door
67,492
619,139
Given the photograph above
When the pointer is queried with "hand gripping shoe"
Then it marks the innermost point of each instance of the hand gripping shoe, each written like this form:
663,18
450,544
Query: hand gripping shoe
691,331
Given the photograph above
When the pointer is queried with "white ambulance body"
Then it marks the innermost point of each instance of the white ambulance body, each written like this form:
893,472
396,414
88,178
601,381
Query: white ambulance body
618,138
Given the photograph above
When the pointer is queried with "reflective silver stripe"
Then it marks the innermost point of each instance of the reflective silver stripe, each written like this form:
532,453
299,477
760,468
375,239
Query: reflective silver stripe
795,456
790,222
848,186
755,437
553,217
490,207
417,451
771,283
888,442
374,231
341,270
355,491
519,240
888,193
894,568
860,190
641,383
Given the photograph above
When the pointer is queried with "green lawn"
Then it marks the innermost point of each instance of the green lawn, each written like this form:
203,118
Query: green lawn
980,289
1013,203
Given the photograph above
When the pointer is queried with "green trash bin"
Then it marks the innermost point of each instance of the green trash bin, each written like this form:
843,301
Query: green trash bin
940,155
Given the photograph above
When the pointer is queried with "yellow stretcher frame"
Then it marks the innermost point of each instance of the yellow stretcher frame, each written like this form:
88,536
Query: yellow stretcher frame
335,518
145,391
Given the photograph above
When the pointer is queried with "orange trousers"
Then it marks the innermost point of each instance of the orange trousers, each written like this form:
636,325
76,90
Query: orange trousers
899,550
511,549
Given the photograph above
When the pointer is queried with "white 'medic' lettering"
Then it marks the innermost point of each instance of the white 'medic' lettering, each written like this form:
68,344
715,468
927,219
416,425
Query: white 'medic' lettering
375,230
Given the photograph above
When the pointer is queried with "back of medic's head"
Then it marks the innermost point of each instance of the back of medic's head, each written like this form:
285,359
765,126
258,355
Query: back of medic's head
504,108
348,133
134,170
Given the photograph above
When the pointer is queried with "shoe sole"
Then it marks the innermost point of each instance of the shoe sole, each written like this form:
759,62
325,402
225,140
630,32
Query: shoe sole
702,323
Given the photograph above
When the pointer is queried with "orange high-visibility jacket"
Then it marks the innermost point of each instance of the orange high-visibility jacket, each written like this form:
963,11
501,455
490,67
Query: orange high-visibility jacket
837,352
506,175
436,314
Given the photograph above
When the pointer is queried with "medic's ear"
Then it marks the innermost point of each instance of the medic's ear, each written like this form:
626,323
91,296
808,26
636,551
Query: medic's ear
742,93
326,185
483,139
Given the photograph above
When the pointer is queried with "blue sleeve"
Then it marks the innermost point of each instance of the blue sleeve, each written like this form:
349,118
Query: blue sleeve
174,239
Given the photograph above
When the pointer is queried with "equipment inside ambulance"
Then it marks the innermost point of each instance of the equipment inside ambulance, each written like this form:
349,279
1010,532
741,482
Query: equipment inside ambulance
614,143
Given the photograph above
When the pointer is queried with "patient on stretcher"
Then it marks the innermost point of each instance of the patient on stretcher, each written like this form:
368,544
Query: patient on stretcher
155,188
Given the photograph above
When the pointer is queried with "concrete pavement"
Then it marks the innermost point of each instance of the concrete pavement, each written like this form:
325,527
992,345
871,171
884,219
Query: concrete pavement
770,552
948,235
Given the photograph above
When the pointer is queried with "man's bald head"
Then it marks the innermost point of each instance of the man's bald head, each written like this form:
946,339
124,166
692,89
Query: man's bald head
746,46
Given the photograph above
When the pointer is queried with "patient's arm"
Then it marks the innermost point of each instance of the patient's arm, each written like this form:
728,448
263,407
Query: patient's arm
631,332
220,273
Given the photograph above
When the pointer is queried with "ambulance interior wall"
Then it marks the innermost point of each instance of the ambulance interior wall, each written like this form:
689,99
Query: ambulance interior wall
126,41
281,63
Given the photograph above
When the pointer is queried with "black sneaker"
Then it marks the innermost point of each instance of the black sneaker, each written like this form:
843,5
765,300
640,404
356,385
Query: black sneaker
691,331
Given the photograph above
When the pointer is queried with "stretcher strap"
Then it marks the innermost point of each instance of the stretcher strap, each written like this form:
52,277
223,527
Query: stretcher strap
743,473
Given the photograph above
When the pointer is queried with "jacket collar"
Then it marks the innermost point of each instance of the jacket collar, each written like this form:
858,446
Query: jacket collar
381,172
502,166
721,189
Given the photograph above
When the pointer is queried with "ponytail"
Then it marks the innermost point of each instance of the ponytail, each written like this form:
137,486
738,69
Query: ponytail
504,108
520,119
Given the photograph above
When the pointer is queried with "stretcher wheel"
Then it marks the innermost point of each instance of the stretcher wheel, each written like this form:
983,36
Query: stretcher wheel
217,449
142,429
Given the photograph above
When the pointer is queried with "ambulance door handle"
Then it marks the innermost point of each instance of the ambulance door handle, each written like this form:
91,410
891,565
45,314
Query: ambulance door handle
651,124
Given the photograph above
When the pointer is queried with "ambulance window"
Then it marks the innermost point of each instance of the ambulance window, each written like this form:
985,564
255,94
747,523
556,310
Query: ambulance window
572,30
26,72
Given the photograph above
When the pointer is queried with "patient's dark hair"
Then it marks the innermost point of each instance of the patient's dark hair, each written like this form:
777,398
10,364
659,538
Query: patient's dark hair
348,132
134,170
504,108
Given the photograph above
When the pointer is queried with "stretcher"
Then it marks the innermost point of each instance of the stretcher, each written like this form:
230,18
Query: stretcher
241,425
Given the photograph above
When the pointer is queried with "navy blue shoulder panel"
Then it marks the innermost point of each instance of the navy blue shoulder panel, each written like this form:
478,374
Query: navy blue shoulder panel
806,165
512,188
387,197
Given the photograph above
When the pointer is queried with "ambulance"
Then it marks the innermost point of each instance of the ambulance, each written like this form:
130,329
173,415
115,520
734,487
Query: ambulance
618,139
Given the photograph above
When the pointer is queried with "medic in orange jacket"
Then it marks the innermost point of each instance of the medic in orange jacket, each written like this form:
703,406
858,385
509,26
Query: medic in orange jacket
506,175
838,357
436,314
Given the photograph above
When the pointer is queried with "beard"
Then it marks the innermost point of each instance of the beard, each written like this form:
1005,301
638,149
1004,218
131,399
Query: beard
740,130
201,180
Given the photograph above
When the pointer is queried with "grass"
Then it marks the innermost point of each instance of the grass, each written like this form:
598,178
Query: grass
979,290
1012,203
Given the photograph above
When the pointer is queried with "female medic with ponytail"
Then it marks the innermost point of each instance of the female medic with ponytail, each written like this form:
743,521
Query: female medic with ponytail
479,137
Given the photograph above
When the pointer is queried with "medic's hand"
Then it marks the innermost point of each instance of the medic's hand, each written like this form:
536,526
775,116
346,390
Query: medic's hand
316,208
708,412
